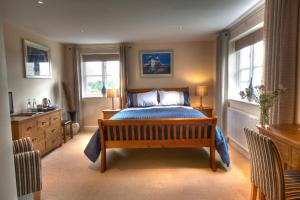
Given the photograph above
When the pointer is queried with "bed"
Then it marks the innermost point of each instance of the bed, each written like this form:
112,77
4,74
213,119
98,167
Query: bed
158,127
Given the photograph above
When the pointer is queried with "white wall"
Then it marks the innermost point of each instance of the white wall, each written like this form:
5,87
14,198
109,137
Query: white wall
194,64
7,171
22,87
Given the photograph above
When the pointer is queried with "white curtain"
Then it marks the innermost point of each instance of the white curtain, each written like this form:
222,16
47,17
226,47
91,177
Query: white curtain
281,42
77,83
123,75
221,77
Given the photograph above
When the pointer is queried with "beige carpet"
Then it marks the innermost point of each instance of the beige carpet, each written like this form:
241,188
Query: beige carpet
141,174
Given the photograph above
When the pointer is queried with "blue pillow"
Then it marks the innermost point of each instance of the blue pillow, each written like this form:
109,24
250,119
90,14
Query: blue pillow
186,96
130,99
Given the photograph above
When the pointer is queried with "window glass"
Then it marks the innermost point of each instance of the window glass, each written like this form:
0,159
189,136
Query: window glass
94,85
113,68
245,57
244,75
93,68
112,82
257,76
96,75
249,64
258,54
244,84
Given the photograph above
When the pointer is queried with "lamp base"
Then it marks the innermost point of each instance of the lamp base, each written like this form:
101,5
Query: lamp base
201,105
113,103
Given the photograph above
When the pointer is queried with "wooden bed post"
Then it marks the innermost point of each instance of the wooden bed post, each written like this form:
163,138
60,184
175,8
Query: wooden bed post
213,146
103,148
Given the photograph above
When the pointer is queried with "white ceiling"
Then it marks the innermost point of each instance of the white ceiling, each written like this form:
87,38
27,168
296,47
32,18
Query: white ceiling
110,21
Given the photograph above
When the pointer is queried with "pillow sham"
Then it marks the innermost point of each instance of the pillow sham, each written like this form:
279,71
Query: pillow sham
142,99
167,98
186,96
174,98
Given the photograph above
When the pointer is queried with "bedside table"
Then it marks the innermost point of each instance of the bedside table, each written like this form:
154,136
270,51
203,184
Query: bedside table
108,113
205,110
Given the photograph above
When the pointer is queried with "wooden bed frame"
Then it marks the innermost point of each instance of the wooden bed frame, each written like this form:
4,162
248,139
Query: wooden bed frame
144,133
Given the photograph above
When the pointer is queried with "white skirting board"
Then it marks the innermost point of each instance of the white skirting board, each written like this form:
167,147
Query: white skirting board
239,148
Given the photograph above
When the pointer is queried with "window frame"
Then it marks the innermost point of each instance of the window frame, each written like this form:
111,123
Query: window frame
103,76
251,67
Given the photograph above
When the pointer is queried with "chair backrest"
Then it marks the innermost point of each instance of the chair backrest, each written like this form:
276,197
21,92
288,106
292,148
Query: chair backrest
22,145
266,168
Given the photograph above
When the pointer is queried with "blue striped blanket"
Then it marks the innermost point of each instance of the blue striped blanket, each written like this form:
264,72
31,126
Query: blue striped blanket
93,148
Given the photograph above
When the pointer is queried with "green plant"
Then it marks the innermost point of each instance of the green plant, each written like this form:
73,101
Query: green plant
266,100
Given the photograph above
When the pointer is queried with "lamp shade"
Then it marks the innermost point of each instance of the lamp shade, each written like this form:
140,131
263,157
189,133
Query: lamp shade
201,91
112,93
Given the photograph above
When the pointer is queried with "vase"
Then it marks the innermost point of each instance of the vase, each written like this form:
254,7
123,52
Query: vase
264,117
103,91
251,91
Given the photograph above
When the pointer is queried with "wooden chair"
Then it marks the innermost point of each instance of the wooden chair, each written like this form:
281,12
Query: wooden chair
28,168
268,178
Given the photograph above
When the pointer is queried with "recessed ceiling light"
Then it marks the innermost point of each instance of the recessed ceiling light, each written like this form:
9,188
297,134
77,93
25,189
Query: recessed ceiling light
40,2
82,31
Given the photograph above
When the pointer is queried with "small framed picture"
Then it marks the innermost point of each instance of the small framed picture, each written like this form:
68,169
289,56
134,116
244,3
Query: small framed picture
37,60
156,63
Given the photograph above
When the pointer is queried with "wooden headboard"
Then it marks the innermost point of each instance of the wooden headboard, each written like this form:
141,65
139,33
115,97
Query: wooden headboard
139,90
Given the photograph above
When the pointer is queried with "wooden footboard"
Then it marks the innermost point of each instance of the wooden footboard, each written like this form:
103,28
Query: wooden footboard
158,133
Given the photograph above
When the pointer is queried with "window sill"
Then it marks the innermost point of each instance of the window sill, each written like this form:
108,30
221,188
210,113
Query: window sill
244,101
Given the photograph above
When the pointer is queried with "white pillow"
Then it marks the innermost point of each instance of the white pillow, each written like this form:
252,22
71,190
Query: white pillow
147,99
171,98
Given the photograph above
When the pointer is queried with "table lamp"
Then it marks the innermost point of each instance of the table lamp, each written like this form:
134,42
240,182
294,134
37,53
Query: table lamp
201,91
112,93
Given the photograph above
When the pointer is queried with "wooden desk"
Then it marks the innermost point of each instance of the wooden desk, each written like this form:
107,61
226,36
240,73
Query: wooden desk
287,139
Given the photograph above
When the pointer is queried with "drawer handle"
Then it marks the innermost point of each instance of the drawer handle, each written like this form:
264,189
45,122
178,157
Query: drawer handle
29,128
53,130
34,139
43,123
54,119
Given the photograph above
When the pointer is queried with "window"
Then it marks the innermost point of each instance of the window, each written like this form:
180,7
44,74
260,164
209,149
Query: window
97,75
250,65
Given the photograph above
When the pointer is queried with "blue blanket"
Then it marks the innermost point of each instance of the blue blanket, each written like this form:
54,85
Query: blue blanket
93,148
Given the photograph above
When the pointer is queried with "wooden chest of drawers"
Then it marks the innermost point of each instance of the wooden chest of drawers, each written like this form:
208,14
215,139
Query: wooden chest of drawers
43,129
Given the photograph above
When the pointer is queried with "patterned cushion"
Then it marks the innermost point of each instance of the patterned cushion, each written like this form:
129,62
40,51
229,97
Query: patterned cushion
27,167
28,172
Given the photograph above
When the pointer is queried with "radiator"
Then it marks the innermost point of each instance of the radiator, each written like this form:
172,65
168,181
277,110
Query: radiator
237,120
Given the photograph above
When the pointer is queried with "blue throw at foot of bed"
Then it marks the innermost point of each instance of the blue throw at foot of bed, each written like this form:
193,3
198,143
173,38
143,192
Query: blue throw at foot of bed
93,148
